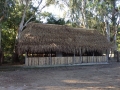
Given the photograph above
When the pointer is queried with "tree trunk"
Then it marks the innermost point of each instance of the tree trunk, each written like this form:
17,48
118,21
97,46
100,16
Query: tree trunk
114,24
0,46
107,28
0,58
84,13
15,56
0,34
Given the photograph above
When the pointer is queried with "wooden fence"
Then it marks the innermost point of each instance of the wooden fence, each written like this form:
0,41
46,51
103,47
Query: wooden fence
64,61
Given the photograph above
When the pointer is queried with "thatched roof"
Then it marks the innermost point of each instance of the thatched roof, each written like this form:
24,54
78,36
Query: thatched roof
38,37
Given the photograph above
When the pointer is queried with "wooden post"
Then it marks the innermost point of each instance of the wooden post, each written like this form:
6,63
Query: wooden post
74,57
50,59
0,56
26,63
93,56
107,56
51,56
117,56
80,55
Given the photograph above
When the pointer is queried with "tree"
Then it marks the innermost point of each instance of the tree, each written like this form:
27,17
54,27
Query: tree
23,23
10,29
27,2
53,20
5,6
20,13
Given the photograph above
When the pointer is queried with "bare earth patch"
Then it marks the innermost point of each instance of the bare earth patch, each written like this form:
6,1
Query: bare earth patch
94,77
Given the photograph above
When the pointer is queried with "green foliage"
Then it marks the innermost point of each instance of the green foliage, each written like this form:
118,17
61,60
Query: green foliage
92,14
8,39
8,42
10,28
5,8
53,20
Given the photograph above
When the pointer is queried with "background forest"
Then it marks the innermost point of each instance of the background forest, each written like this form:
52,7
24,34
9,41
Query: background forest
103,15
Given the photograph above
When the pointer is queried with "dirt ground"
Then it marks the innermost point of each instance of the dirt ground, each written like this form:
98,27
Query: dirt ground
94,77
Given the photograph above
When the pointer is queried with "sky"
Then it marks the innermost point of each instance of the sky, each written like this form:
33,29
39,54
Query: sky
57,12
54,10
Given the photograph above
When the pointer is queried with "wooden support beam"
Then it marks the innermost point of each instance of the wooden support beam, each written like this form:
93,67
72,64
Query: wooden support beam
74,57
117,56
80,55
26,60
93,56
107,55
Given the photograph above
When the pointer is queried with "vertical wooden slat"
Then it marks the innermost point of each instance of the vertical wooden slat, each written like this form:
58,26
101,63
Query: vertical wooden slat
67,61
57,61
83,59
64,61
38,60
50,61
30,61
98,60
41,61
35,61
91,58
102,59
87,59
95,59
105,58
47,60
26,61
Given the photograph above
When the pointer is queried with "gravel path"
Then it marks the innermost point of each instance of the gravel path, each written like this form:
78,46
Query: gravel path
94,77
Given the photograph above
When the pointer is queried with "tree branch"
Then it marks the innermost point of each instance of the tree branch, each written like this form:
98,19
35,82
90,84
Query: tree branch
45,5
32,15
37,8
28,21
39,4
23,17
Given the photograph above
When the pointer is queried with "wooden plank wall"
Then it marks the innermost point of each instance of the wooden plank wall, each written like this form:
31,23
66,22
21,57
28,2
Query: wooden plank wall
58,61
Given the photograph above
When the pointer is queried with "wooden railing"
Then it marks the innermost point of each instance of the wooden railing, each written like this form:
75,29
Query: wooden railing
58,61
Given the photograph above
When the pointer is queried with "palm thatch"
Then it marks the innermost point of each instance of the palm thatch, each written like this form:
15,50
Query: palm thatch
38,37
